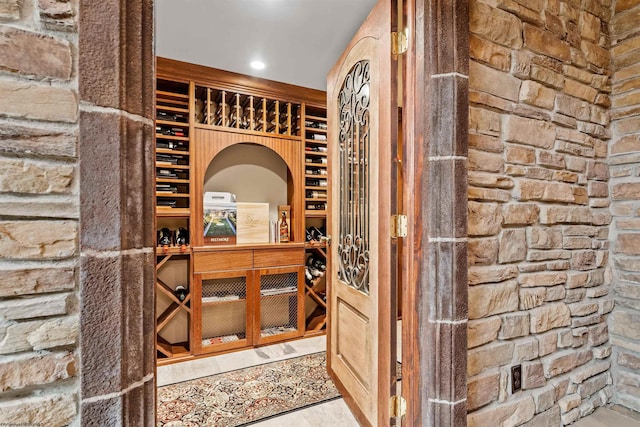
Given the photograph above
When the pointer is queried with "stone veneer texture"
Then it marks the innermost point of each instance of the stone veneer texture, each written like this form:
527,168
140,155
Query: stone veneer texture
539,276
76,255
624,166
39,210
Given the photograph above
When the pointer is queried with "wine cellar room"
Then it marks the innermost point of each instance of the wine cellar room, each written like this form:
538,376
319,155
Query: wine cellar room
241,173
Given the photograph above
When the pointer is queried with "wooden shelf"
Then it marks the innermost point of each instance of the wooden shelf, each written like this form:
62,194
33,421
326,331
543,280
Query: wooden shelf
172,123
167,94
171,137
244,246
315,141
172,250
162,101
172,180
172,109
170,166
164,211
167,194
317,200
315,153
172,350
247,131
315,214
170,151
315,119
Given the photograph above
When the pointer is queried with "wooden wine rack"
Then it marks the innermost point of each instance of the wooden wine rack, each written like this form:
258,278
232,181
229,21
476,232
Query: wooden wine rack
242,111
201,112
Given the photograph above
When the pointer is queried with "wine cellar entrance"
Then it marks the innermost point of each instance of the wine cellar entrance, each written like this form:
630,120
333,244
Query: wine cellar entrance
241,194
122,81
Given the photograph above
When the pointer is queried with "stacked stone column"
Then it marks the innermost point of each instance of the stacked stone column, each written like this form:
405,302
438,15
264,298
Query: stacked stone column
539,276
117,250
624,163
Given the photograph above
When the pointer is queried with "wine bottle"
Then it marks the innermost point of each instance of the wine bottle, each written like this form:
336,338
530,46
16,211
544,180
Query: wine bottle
180,293
181,237
249,118
284,228
259,117
314,194
164,237
223,119
235,119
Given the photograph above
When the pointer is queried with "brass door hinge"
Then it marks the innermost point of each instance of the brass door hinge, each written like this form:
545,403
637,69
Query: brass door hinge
398,226
398,43
398,406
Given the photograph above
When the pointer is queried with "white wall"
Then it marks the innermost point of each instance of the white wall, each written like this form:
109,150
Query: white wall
253,173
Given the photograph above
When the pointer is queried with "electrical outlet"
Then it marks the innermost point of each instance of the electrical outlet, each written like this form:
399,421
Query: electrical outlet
516,378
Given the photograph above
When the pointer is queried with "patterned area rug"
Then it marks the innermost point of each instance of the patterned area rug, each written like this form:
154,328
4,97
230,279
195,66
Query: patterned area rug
247,395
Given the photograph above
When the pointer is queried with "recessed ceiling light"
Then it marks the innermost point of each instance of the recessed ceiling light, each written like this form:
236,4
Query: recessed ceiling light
257,65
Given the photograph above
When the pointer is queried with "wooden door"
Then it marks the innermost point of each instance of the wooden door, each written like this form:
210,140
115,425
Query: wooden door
362,125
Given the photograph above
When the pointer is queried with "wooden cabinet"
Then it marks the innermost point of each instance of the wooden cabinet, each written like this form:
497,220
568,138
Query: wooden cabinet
240,295
244,299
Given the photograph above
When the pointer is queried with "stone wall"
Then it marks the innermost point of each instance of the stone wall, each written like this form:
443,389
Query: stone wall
39,310
624,165
539,216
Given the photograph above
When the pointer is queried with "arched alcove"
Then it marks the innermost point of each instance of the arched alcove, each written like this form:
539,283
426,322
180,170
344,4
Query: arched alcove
254,173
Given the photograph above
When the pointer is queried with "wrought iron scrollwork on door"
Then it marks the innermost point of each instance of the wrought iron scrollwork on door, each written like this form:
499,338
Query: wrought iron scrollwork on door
354,184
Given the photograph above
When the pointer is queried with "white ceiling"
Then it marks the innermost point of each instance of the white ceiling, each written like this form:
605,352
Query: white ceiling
298,40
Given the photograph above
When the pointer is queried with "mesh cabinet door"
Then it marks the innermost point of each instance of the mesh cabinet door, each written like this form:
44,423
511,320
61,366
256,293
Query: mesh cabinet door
223,321
281,304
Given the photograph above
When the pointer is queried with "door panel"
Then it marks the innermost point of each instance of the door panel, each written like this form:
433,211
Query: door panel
362,130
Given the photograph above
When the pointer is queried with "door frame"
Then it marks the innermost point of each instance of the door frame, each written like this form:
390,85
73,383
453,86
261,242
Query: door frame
116,99
434,277
434,169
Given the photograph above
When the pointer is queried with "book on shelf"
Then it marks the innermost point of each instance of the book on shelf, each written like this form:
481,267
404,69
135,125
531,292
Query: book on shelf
277,291
220,340
277,330
219,298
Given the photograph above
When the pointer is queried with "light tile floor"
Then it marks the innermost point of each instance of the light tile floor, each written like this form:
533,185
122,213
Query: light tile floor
333,413
613,416
184,371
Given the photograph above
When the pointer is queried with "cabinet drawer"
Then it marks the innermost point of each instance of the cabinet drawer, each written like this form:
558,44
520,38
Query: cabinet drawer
222,260
278,257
